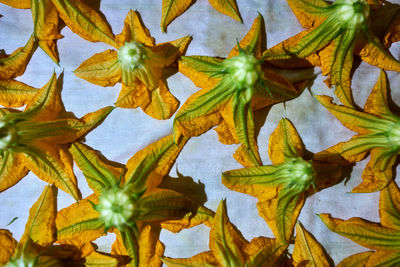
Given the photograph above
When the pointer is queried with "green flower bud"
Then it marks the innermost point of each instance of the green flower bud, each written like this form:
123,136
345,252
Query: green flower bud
352,13
116,208
131,55
245,70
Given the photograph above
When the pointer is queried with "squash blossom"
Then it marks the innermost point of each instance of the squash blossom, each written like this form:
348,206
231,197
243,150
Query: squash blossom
335,32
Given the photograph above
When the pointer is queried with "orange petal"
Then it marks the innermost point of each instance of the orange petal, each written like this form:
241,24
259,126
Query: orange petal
150,248
377,102
356,260
7,246
389,206
227,7
308,12
102,69
15,64
285,143
25,4
172,9
12,169
200,260
133,96
15,94
134,30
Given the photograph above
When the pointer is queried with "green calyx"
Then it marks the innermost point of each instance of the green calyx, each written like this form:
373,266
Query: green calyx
131,55
393,136
116,208
8,135
245,70
352,13
298,173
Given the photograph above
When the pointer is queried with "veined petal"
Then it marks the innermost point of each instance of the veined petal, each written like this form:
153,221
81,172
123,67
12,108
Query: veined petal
7,246
41,225
200,69
163,204
360,122
310,13
367,234
100,174
133,96
172,9
378,172
227,7
200,112
102,69
244,129
308,249
255,40
384,258
78,224
253,181
389,206
392,33
356,260
96,259
134,30
130,245
15,94
24,4
205,259
47,104
264,252
372,52
147,168
226,242
150,248
377,102
85,21
285,143
281,213
15,64
52,164
163,104
45,26
337,61
12,169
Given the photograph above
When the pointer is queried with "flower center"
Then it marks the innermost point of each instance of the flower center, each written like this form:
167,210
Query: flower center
115,207
245,70
301,171
352,13
8,135
131,55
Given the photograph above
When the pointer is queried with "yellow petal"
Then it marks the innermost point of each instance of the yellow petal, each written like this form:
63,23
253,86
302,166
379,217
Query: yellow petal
15,64
227,7
389,206
47,104
96,259
172,9
77,224
308,250
285,143
356,260
150,248
384,258
254,41
226,134
45,22
41,225
281,222
162,104
99,172
7,246
372,52
102,69
377,102
133,96
374,178
25,4
202,215
15,94
52,164
365,233
264,252
205,259
134,30
226,242
147,168
306,11
392,33
12,169
85,21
